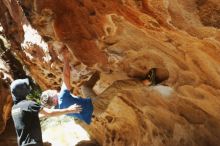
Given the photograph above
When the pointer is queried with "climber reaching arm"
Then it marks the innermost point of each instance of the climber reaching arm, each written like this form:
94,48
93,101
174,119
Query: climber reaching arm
66,68
46,112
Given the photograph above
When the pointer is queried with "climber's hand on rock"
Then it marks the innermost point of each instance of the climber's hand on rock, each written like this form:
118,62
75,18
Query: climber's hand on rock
65,52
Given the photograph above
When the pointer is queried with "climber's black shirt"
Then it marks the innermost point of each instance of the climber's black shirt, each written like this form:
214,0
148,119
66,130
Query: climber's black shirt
27,123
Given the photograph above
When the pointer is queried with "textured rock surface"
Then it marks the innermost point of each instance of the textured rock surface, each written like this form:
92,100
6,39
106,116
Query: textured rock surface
8,137
124,39
5,98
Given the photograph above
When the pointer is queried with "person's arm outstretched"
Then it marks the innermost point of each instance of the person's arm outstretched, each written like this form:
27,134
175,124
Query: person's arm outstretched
46,112
66,68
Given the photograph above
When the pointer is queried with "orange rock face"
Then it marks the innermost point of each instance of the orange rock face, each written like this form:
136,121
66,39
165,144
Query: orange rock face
124,39
5,98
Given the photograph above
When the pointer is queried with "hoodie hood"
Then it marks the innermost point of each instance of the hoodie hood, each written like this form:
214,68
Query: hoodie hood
20,89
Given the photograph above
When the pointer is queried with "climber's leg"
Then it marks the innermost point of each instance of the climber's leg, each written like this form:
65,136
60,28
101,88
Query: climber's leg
87,91
87,87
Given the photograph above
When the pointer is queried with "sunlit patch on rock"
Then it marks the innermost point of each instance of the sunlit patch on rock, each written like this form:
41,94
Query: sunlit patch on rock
63,131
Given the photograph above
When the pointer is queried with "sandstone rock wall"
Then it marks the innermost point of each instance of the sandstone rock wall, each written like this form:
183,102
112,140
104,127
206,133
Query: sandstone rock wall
5,98
6,101
124,39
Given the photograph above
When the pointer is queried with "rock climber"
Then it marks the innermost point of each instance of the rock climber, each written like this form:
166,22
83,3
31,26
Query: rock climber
64,98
